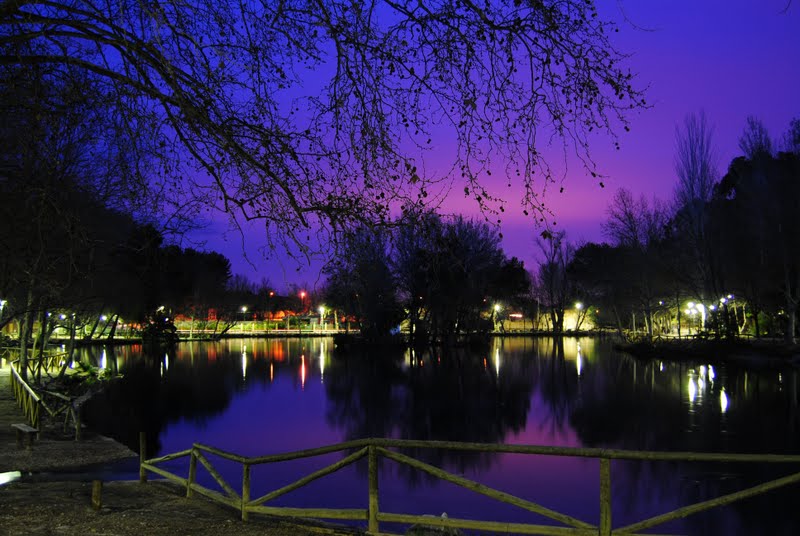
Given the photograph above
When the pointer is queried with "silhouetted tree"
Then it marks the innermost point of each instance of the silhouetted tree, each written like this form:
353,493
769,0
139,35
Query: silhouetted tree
223,87
638,227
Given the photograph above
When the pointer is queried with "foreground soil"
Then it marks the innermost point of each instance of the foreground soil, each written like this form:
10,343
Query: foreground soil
130,509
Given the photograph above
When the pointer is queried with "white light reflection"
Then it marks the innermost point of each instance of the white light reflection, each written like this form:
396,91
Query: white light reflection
661,366
103,360
497,361
166,362
302,371
579,361
692,390
244,362
322,362
711,374
723,401
10,476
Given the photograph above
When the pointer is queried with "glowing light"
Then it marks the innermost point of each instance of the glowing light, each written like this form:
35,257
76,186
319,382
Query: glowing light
271,372
166,361
579,363
103,360
10,476
661,366
711,374
497,361
62,316
103,318
578,306
244,362
692,390
723,401
702,371
302,372
322,361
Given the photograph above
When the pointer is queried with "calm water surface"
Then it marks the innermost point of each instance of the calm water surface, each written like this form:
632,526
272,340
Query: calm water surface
256,397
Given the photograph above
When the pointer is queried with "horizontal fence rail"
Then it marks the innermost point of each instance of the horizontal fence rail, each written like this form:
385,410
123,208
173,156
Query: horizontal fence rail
27,399
374,449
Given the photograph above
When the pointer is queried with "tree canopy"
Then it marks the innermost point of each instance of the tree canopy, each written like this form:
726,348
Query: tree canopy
301,113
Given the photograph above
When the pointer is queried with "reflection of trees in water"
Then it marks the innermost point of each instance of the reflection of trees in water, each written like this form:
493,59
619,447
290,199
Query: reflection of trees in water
636,405
556,380
192,381
453,395
157,389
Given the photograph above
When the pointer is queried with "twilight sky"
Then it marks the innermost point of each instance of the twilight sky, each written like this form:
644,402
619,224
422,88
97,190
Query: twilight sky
730,58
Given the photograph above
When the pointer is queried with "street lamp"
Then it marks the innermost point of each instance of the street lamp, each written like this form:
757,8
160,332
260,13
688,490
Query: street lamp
243,310
302,300
578,307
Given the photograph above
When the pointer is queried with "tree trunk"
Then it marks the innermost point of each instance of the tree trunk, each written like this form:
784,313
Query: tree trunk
25,334
113,331
70,349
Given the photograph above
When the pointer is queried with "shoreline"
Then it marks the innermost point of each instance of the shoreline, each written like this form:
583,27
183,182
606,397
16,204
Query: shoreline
758,353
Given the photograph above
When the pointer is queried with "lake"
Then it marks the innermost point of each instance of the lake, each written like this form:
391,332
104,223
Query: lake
265,396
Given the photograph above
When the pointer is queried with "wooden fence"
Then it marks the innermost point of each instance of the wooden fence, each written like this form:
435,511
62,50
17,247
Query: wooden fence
374,449
53,403
27,399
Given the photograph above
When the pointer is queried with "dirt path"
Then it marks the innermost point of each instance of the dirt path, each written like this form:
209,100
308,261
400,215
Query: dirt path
130,509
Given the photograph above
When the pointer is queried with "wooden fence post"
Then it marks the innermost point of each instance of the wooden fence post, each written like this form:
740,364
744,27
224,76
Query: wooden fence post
192,473
97,494
142,457
245,490
605,497
372,455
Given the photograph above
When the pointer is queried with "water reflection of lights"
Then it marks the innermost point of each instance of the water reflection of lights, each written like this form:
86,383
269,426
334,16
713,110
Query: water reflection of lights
302,371
692,390
723,401
661,366
579,361
711,374
271,371
103,360
322,362
497,361
244,362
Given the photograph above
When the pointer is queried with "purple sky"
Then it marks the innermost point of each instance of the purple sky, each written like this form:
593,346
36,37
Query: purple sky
730,58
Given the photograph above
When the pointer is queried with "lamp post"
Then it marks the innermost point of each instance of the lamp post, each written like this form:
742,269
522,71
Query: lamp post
244,311
302,300
321,316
